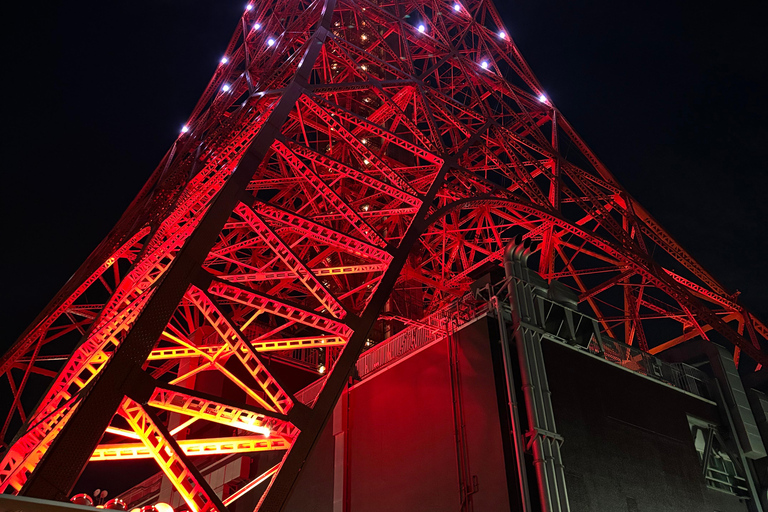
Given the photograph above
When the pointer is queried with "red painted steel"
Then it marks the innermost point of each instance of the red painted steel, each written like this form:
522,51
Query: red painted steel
385,115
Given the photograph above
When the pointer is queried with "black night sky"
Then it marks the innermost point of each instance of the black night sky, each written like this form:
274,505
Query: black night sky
670,94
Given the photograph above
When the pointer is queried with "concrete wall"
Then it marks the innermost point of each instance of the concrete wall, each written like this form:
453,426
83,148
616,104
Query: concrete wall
627,444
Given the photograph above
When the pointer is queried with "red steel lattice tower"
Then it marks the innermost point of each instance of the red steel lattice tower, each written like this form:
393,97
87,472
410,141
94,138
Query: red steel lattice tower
347,169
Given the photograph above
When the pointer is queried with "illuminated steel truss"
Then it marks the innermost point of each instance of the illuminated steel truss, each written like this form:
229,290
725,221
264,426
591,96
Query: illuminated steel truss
349,167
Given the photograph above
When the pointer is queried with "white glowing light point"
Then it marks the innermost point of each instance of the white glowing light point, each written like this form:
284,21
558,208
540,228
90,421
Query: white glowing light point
422,28
225,87
542,98
224,60
259,429
270,42
502,35
248,7
366,162
184,129
456,7
321,369
484,64
257,26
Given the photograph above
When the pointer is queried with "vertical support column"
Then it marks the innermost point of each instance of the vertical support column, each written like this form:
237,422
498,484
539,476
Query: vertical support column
340,456
734,406
514,407
542,434
736,400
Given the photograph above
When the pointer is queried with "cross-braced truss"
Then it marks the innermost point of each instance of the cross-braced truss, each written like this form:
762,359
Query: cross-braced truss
349,167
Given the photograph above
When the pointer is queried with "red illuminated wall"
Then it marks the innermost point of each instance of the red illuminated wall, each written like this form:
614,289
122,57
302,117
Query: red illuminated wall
402,451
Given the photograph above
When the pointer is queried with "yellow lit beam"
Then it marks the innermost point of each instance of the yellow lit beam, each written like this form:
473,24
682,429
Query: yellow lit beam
193,447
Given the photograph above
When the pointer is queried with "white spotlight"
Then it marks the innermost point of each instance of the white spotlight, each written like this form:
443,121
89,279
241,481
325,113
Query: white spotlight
542,98
270,42
225,87
224,60
456,7
257,26
422,28
502,35
484,64
184,129
248,7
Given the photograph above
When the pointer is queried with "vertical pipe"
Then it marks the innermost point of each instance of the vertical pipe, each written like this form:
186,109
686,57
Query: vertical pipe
517,430
544,441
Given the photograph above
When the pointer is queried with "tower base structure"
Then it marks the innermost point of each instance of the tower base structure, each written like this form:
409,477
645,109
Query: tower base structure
435,419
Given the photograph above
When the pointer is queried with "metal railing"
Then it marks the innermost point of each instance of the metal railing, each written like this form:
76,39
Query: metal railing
679,375
449,319
420,334
308,394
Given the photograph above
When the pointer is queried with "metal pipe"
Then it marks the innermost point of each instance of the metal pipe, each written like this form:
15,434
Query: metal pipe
544,440
517,429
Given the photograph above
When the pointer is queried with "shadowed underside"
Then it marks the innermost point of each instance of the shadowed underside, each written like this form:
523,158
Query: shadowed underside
348,168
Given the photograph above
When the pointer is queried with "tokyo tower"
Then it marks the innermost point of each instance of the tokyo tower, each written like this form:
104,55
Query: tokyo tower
350,169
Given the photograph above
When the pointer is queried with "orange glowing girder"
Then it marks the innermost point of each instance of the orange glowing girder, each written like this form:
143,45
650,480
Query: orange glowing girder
187,480
276,398
270,345
277,307
193,447
83,366
24,455
209,410
253,483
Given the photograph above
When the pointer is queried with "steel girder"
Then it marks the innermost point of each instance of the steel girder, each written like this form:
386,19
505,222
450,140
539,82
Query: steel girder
347,169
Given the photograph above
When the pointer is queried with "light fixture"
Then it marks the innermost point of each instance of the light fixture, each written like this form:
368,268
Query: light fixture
270,42
502,35
366,162
225,87
484,64
365,207
224,60
542,98
184,129
257,26
321,369
456,7
248,7
422,28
